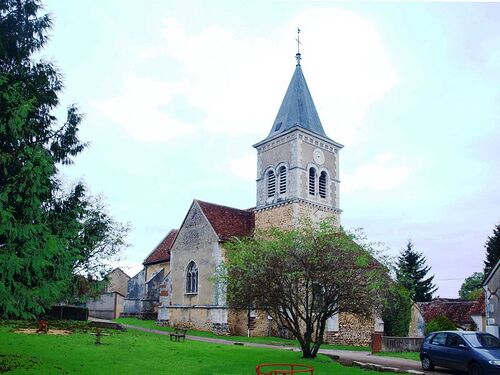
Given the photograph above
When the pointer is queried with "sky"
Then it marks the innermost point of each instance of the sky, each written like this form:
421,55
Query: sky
175,93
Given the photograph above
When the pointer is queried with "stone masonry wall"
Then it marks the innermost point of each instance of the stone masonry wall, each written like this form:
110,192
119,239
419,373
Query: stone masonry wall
353,330
238,323
290,215
200,318
279,217
118,282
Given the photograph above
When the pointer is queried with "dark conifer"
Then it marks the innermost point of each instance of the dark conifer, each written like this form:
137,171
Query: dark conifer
411,272
46,233
492,246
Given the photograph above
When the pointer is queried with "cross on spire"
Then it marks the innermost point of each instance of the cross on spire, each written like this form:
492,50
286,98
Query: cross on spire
297,56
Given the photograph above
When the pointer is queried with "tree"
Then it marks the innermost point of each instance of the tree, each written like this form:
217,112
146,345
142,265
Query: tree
411,271
471,288
304,276
397,311
42,230
492,246
440,323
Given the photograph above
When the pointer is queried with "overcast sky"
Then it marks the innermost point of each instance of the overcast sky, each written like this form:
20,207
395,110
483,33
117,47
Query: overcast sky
176,93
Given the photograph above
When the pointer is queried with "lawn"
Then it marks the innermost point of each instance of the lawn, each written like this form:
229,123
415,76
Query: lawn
261,340
135,352
407,355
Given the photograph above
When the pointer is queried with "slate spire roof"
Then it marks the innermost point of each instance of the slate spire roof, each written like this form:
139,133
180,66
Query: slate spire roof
297,108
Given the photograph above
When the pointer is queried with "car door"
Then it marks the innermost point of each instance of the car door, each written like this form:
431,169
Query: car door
437,349
457,352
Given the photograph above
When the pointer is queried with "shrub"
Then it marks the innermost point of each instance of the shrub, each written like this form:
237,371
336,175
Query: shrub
439,323
397,311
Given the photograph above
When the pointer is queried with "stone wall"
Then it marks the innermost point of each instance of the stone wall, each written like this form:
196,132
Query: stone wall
212,319
353,330
278,217
290,215
152,268
196,241
103,307
401,344
135,293
118,282
238,323
295,150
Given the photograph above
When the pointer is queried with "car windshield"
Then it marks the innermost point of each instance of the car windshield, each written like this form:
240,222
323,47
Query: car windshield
482,340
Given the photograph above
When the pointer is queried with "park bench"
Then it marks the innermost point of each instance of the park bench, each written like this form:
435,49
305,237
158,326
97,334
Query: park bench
179,333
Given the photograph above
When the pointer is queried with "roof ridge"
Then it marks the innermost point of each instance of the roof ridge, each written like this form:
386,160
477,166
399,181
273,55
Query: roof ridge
221,205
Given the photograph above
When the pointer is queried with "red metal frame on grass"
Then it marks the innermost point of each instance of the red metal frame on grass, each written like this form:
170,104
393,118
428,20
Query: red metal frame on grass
286,369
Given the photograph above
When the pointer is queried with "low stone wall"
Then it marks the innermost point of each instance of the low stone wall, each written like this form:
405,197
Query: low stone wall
238,323
353,330
212,319
401,344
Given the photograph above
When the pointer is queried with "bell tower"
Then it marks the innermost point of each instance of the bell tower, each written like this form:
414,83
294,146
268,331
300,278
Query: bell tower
297,164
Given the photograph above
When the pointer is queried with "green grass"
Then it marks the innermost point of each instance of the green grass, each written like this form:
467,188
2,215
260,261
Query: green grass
135,352
260,340
406,355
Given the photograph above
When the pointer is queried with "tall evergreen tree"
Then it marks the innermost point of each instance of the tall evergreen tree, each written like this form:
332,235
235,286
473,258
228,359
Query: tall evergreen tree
411,272
492,250
43,232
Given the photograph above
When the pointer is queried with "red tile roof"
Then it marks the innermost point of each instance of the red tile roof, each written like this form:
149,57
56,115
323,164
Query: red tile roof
454,309
228,222
479,307
162,252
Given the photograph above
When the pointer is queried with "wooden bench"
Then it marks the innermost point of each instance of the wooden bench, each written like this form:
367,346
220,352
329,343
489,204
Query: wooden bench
178,334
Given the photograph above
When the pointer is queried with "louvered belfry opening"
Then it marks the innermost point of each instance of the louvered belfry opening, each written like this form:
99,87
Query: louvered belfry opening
282,177
271,184
192,278
322,185
312,181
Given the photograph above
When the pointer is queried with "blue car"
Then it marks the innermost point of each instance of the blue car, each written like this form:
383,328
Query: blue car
475,352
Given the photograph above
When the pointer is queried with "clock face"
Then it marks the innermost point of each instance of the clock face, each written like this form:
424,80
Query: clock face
318,156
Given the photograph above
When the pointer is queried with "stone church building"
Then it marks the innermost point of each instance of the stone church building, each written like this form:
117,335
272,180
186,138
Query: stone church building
297,178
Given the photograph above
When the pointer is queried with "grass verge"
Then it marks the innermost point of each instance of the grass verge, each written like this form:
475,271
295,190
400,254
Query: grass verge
260,340
135,352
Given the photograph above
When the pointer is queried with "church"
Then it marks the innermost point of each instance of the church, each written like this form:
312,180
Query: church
297,179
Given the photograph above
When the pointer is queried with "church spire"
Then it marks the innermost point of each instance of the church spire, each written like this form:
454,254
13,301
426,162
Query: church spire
297,108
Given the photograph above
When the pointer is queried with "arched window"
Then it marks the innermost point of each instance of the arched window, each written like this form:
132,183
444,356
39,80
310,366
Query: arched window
282,179
322,184
271,184
312,181
192,278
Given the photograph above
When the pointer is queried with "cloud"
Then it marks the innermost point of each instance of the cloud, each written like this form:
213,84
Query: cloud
238,81
244,167
139,109
381,175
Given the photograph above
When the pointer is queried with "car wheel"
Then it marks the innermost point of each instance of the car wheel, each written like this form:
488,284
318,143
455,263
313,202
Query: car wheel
427,364
475,369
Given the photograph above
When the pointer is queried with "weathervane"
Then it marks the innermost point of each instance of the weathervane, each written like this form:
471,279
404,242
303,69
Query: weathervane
297,56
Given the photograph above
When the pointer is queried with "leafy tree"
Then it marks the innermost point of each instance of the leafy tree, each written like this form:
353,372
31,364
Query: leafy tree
397,311
471,287
44,233
304,276
440,323
492,250
411,271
